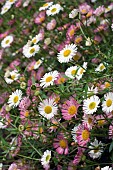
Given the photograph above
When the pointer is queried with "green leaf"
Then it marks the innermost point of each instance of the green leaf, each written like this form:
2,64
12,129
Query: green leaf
111,147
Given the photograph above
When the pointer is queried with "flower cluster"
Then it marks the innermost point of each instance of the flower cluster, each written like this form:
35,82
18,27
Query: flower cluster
56,85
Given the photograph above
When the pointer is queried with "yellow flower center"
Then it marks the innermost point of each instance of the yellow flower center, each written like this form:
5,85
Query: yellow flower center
53,10
11,0
32,50
73,72
72,110
45,5
85,134
61,80
63,143
49,78
26,113
48,109
101,122
16,98
92,105
89,120
5,9
107,84
42,19
7,41
48,158
84,11
72,32
81,70
102,67
38,62
76,57
108,102
96,149
34,40
13,77
67,53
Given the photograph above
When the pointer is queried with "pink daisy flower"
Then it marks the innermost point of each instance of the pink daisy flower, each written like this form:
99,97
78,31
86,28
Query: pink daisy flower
60,144
83,134
78,156
70,32
69,109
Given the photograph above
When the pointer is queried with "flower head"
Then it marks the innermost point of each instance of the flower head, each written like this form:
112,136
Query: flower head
46,158
107,105
54,9
49,78
90,105
48,108
6,42
60,144
14,98
96,149
68,52
69,109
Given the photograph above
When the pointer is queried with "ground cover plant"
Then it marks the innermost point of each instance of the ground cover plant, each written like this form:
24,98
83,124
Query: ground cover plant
56,85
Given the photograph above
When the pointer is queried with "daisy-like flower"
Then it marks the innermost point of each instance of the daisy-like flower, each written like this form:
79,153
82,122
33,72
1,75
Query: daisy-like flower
36,39
96,149
73,132
61,144
106,168
109,8
49,78
11,76
71,72
6,42
81,71
14,98
30,51
46,158
37,64
69,109
45,6
100,68
5,8
89,119
48,108
107,105
54,9
11,2
68,52
73,13
90,105
83,134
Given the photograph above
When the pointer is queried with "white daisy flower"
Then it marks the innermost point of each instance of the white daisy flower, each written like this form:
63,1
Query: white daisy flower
48,108
73,132
71,72
36,39
54,9
37,64
90,105
5,8
48,78
96,149
6,42
11,76
68,52
11,2
100,68
30,51
45,6
73,13
109,8
106,168
46,158
14,98
81,71
107,105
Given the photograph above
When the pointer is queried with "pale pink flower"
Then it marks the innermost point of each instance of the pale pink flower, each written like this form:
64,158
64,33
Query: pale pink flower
78,156
69,109
61,144
51,25
83,134
100,10
24,104
40,17
84,8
